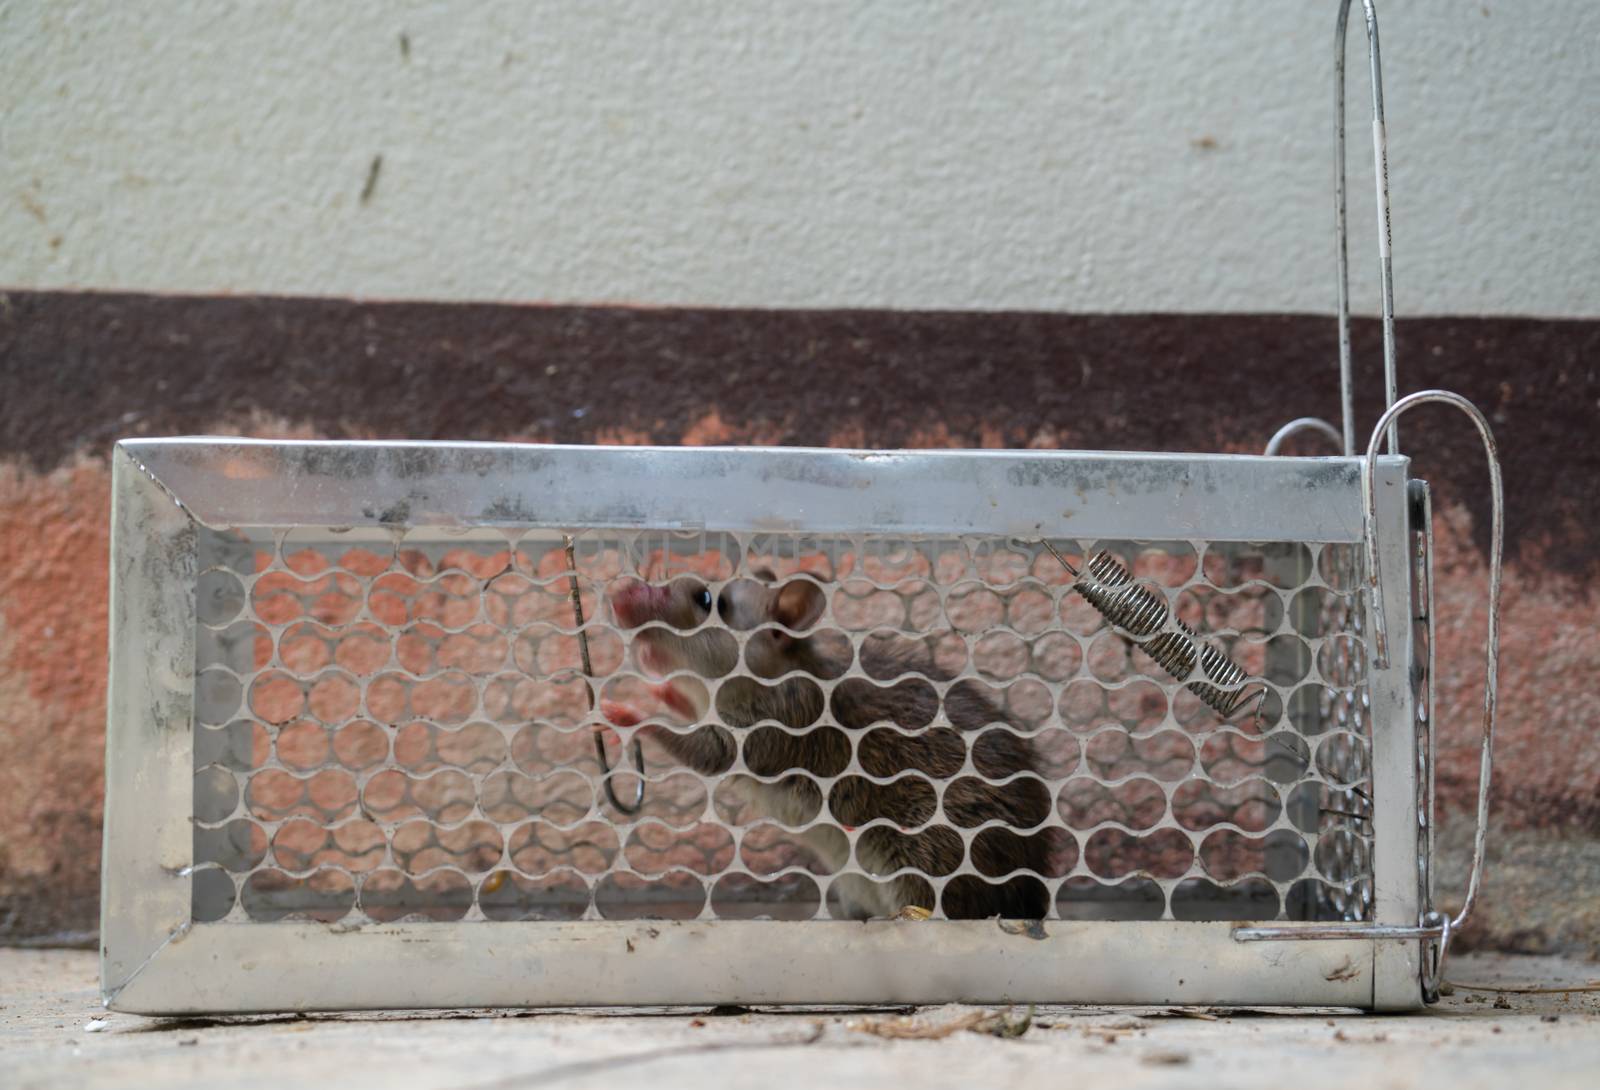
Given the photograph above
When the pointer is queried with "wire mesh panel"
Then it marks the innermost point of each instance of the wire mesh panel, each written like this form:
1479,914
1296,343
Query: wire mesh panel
399,725
430,722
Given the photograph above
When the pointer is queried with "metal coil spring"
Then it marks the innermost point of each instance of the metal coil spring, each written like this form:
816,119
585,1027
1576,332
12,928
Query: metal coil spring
1142,614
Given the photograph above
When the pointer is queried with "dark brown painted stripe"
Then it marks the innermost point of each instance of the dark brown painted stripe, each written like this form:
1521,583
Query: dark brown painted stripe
78,370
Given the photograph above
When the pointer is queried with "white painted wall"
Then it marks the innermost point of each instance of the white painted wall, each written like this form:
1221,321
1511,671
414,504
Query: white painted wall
925,155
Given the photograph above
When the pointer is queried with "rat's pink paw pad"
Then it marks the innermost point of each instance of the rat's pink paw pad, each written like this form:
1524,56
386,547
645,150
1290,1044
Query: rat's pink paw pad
620,714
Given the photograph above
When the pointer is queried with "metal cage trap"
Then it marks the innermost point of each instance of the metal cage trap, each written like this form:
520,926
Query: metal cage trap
434,725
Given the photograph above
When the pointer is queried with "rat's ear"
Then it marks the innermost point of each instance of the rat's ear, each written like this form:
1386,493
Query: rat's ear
765,575
800,602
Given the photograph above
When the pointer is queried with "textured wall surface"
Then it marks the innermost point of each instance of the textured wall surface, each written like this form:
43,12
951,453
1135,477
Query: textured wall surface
1044,156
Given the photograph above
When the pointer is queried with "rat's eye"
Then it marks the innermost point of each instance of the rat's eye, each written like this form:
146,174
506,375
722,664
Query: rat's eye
702,598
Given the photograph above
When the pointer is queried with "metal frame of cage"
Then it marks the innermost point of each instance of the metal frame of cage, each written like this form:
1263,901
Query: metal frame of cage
155,959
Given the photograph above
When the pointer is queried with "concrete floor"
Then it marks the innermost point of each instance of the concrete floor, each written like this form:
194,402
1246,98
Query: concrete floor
54,1033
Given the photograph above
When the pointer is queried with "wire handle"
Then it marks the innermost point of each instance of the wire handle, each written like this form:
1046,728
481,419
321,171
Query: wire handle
1380,157
1369,495
1346,435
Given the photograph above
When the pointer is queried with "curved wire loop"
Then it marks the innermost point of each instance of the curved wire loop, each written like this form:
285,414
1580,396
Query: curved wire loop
1380,153
1369,494
1296,426
588,672
610,787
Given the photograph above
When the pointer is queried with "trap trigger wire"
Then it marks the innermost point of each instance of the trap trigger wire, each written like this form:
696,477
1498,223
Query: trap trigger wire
588,672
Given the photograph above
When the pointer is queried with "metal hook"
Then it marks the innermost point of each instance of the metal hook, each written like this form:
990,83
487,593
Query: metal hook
610,788
1433,952
588,671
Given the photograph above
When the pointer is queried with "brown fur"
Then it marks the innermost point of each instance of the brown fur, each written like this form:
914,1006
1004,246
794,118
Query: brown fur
918,739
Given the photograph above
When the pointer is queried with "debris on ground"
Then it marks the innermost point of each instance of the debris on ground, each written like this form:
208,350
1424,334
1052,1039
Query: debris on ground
1200,1013
993,1023
1521,989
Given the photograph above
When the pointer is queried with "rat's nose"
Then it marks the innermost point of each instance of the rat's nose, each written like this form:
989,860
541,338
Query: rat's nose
635,603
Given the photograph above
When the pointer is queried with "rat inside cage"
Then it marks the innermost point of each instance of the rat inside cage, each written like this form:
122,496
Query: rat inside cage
400,725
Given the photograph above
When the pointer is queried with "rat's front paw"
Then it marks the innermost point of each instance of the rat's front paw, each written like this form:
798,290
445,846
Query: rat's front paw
620,714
